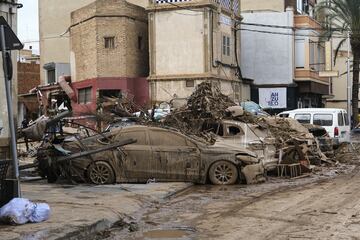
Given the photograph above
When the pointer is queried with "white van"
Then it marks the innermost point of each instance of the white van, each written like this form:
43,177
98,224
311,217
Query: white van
334,120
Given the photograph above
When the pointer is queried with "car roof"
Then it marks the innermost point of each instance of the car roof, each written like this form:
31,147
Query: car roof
314,110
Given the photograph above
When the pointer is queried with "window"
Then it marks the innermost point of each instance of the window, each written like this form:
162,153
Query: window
312,61
303,118
323,119
140,43
51,76
233,131
226,46
162,138
113,93
346,117
216,128
109,42
340,119
85,95
299,53
190,83
321,57
140,137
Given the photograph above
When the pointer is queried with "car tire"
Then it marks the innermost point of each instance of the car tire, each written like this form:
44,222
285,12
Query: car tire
223,173
100,173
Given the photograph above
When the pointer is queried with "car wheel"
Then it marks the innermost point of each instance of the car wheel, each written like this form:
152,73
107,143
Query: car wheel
223,173
101,173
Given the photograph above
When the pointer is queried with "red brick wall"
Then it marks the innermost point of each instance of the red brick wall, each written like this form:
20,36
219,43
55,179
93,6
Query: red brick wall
28,76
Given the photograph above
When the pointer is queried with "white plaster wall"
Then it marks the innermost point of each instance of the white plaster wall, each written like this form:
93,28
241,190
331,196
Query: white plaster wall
179,43
262,5
140,3
54,20
268,58
164,91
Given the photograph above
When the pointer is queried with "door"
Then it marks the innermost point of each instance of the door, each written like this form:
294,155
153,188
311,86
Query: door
137,161
175,158
344,127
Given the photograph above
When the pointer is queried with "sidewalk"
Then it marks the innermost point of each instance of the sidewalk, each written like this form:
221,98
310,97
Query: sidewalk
86,208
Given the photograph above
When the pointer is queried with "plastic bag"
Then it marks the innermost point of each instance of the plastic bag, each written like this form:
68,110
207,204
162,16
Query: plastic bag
41,213
20,211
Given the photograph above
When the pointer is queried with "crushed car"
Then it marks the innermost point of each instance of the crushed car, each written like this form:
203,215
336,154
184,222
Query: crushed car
158,153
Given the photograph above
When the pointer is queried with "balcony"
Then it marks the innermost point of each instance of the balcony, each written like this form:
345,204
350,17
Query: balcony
307,74
226,5
305,21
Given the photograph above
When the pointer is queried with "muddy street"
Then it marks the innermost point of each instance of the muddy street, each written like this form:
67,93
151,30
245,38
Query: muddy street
309,208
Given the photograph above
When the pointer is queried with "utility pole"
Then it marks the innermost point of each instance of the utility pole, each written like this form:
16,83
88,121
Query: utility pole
349,85
6,56
9,41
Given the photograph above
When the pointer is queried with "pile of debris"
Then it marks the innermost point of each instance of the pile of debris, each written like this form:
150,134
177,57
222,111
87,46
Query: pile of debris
348,153
295,141
207,103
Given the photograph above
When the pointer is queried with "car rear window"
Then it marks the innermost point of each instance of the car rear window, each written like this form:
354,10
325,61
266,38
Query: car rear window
346,119
303,118
340,119
323,119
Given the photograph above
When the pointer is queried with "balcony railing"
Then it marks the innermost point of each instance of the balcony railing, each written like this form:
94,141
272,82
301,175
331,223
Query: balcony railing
229,5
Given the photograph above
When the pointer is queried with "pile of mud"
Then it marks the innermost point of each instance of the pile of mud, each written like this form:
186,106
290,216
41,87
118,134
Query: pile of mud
348,153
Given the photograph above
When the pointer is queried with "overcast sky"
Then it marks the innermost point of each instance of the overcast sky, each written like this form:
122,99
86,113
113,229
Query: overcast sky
28,24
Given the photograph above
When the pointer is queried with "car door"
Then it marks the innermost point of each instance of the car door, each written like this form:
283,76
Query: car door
137,161
175,158
344,128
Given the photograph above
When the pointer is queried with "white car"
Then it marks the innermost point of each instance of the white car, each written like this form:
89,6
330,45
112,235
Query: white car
334,120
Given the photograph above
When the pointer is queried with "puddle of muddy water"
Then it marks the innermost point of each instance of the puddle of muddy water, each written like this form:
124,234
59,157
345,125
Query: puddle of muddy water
166,234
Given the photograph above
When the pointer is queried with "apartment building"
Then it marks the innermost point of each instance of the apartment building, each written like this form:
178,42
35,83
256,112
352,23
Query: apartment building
54,23
282,52
109,53
192,41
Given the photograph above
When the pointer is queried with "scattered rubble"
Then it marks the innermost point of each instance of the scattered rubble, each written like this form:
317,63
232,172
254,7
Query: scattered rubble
208,104
295,148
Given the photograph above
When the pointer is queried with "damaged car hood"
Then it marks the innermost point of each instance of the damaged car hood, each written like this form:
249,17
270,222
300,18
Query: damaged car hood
221,146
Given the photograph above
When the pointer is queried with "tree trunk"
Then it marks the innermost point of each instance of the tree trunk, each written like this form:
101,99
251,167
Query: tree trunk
355,90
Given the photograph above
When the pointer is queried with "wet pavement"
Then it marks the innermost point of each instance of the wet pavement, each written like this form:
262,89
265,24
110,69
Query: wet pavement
200,211
78,211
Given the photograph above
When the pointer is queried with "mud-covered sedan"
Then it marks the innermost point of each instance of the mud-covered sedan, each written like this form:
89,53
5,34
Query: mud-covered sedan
160,154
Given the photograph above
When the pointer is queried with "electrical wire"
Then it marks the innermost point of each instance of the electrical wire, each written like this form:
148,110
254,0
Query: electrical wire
289,27
35,41
286,34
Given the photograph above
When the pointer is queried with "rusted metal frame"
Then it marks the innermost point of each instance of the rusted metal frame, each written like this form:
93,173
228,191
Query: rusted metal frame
90,152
